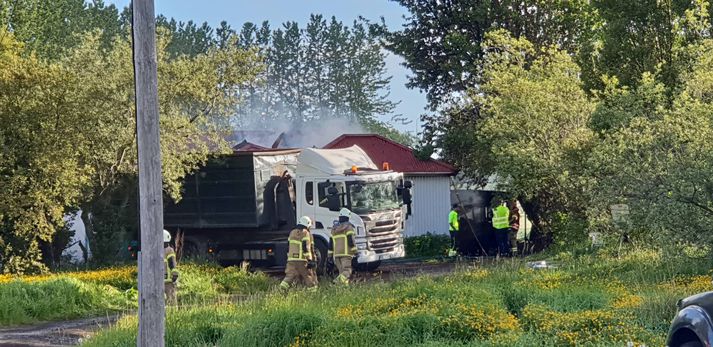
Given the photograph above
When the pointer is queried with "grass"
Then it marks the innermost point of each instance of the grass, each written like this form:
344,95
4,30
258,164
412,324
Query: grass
70,295
587,301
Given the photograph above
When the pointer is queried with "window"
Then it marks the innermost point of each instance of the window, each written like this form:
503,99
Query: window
324,194
309,192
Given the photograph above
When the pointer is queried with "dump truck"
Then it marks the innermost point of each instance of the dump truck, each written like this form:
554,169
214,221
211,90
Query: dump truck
241,207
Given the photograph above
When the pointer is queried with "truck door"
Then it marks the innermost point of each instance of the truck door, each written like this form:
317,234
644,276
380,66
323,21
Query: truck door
305,199
323,214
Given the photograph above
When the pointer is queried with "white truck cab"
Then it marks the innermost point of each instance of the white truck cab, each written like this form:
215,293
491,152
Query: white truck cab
329,179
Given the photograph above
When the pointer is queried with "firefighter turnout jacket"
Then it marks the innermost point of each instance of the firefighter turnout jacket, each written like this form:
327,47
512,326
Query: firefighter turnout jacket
342,241
301,246
169,259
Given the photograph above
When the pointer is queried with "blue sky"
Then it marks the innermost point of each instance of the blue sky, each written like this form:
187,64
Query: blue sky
236,12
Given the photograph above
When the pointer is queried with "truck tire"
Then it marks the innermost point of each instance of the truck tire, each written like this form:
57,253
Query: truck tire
320,250
692,344
366,267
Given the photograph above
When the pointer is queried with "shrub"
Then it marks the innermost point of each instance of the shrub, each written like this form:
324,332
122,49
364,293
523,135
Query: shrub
428,245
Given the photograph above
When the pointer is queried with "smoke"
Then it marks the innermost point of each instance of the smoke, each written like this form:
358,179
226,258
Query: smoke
297,134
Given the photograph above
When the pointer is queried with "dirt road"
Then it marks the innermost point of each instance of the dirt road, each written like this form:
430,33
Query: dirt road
68,333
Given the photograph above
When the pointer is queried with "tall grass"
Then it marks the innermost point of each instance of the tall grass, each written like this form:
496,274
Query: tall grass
592,301
68,295
58,298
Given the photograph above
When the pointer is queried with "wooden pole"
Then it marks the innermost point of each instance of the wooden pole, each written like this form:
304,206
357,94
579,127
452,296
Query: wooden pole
151,265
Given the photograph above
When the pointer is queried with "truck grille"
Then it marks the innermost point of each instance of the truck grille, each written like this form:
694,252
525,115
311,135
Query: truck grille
384,235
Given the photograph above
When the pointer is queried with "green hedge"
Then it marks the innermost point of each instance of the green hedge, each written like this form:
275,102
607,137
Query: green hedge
428,245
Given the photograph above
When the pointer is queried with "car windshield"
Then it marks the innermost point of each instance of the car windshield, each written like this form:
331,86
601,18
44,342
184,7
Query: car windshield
373,196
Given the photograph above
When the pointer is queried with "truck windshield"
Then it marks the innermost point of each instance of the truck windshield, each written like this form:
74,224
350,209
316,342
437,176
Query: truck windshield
373,196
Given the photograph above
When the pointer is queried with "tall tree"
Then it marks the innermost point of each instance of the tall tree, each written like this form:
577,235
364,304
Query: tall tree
442,40
51,27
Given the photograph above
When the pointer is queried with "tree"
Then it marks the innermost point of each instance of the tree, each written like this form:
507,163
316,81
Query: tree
441,42
67,133
660,161
41,171
322,72
644,36
49,28
197,96
533,128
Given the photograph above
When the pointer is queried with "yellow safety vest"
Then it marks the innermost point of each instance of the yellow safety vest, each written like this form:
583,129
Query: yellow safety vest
168,254
501,217
343,241
301,245
453,221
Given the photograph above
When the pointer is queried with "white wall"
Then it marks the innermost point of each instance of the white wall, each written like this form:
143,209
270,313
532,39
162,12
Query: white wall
430,207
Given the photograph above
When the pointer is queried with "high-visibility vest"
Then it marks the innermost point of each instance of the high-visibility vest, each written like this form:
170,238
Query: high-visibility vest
453,224
343,240
168,254
301,245
501,217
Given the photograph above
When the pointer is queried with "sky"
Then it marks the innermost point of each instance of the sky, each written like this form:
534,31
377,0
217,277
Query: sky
237,12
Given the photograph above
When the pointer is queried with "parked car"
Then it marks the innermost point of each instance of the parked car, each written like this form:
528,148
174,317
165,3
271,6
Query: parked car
692,325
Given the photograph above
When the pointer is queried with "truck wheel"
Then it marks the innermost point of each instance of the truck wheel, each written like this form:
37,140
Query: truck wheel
692,344
320,250
366,267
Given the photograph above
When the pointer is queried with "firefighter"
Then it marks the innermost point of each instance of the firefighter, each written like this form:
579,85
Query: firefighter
301,260
342,246
170,277
501,224
514,225
453,229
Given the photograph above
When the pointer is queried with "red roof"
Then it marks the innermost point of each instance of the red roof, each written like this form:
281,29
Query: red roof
399,157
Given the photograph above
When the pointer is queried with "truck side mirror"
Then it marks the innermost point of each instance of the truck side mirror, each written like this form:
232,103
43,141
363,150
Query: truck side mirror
408,184
332,191
406,195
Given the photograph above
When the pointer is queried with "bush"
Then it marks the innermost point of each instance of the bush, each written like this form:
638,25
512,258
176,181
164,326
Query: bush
428,245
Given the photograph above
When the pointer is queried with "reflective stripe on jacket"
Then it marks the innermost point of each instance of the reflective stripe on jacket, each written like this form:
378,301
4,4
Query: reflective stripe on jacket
169,260
301,245
342,244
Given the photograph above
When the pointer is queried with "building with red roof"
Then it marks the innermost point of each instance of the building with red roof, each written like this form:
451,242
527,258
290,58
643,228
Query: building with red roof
431,180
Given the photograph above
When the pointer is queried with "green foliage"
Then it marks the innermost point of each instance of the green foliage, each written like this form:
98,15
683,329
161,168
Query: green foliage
236,280
59,299
72,122
504,304
68,295
51,28
658,163
428,245
41,171
442,42
532,129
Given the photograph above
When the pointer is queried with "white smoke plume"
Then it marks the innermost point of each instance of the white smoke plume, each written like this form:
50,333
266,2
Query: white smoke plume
315,133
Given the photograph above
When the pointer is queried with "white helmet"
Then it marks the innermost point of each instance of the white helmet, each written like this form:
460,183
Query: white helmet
166,236
344,212
306,221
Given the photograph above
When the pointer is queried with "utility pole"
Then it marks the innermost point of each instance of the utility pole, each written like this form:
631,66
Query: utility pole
151,301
